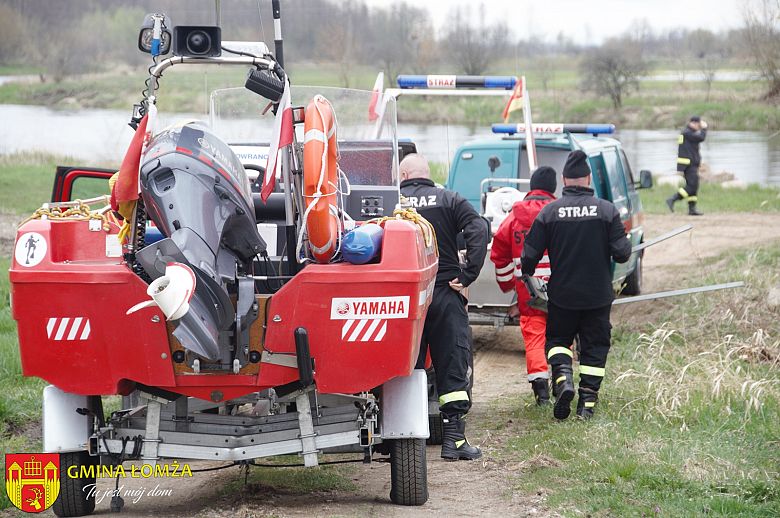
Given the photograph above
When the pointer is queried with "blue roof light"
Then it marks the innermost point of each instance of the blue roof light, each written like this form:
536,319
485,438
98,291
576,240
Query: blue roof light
555,128
453,81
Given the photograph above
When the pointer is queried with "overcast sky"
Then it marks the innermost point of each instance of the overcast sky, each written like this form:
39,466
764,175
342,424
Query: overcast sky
590,20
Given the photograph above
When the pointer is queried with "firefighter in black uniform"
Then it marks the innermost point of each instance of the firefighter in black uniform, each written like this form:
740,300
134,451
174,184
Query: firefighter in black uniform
447,324
581,234
688,161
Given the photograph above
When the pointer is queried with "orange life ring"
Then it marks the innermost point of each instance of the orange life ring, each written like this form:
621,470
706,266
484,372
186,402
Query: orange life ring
320,179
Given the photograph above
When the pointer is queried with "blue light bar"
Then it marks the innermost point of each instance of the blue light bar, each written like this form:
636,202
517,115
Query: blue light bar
453,81
555,128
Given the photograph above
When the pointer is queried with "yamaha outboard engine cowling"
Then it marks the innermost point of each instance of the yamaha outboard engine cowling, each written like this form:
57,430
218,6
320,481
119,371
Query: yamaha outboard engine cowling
197,193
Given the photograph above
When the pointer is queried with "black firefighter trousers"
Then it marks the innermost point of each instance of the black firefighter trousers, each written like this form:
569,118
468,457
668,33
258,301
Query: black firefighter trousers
448,335
691,189
594,330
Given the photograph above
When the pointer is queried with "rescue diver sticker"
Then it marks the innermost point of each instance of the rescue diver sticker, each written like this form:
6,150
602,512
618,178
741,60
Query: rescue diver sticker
30,249
369,307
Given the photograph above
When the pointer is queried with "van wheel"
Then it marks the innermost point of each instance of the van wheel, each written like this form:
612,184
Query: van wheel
633,285
436,428
408,472
74,498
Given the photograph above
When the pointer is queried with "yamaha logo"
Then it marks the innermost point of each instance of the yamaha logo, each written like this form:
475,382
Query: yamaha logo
365,308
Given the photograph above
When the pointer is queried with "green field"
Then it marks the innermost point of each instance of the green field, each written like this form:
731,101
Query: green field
688,421
734,105
35,172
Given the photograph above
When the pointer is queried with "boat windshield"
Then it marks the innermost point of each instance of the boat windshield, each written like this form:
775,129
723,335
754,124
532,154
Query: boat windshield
368,148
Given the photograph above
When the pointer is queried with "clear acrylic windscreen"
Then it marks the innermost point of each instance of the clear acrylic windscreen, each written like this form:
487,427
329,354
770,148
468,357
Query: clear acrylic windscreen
369,149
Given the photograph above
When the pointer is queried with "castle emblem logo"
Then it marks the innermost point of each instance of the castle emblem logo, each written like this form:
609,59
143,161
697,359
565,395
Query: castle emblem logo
32,480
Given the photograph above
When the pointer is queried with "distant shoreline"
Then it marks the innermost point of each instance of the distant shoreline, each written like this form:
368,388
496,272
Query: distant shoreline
658,104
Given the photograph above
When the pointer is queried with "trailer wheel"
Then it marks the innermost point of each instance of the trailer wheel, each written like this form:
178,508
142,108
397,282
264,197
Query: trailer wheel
408,472
436,428
633,285
73,500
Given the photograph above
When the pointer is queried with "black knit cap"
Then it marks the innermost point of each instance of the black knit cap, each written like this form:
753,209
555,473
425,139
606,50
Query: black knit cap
576,165
695,118
543,179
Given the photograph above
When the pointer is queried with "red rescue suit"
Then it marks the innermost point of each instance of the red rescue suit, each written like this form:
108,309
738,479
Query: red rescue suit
505,254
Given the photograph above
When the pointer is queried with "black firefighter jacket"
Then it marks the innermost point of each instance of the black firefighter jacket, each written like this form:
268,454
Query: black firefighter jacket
450,214
582,234
688,148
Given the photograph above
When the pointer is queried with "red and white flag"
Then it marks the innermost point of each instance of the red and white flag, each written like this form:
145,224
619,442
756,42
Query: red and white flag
281,138
376,107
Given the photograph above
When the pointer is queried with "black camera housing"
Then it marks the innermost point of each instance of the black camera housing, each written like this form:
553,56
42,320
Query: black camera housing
199,41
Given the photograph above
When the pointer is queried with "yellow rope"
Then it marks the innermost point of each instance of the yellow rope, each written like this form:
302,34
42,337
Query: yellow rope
81,212
409,214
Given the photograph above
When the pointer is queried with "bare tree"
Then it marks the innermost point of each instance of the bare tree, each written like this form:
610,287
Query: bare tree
544,69
762,37
395,36
338,40
474,48
16,32
705,51
613,70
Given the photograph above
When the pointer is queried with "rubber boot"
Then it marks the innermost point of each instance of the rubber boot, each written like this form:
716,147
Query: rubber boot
454,445
586,404
670,201
563,388
692,209
541,388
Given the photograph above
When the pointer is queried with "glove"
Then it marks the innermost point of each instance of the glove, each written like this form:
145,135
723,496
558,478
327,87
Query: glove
537,288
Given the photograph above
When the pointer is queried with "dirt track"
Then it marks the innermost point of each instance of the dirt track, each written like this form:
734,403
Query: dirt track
465,488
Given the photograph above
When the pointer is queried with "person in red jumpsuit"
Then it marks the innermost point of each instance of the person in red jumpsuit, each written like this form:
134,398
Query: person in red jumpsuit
505,254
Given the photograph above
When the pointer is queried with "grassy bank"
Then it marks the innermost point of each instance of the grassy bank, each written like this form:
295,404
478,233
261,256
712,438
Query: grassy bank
714,198
26,180
687,424
734,105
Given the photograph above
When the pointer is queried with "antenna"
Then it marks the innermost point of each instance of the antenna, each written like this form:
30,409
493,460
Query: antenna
278,44
218,7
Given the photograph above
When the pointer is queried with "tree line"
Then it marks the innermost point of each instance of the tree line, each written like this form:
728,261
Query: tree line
65,37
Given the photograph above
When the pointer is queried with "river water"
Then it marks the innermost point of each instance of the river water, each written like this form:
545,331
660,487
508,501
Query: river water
101,136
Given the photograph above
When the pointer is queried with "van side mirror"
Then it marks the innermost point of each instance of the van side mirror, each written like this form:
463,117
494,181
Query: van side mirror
645,179
494,163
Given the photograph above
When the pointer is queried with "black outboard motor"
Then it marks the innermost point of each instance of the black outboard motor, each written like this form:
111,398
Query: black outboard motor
197,193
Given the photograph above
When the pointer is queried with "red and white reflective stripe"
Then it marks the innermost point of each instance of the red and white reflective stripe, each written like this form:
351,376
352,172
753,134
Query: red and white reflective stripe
377,327
542,269
505,273
67,328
